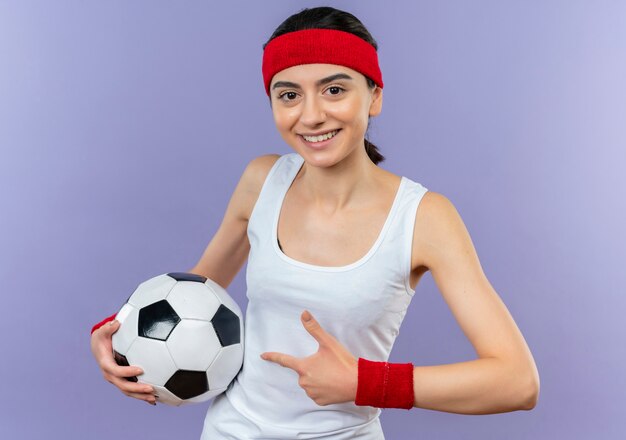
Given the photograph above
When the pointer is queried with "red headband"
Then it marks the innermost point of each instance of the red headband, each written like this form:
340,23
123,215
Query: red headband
326,46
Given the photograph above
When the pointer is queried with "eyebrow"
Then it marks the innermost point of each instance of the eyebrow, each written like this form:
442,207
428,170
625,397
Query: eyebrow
318,83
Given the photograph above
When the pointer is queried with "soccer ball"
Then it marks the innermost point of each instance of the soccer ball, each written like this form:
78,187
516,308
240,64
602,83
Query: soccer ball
185,332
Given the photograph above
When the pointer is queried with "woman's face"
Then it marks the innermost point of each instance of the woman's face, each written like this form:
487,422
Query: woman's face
314,99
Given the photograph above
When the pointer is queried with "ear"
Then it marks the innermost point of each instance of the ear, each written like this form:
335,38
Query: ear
377,102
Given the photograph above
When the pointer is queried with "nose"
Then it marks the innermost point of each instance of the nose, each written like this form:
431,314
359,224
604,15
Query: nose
312,112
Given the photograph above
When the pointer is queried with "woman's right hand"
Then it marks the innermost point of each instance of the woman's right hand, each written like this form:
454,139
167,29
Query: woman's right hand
102,349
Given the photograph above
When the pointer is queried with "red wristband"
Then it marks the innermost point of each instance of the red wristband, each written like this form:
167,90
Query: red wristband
104,321
385,385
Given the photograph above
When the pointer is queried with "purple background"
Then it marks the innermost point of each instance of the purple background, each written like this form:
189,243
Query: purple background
124,127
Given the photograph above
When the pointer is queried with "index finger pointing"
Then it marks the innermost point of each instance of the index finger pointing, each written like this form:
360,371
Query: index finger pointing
282,359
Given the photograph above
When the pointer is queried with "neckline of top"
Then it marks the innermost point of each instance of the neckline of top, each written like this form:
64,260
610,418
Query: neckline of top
291,177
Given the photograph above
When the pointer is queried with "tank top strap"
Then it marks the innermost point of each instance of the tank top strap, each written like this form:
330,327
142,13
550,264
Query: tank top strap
398,243
275,186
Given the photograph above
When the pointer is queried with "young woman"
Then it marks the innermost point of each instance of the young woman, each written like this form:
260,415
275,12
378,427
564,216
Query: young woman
336,246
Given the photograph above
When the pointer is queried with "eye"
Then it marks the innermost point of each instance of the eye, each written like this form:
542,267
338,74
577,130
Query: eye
290,94
336,88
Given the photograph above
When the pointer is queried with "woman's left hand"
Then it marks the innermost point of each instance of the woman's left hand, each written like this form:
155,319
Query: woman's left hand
328,376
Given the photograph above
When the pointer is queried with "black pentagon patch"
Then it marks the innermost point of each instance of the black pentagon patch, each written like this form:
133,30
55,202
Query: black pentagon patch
226,325
122,361
187,384
157,320
186,276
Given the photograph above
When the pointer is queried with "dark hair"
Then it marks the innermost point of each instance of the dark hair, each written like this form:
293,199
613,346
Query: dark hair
325,17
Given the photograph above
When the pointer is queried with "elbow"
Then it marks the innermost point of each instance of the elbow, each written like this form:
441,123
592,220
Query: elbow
530,393
524,392
531,400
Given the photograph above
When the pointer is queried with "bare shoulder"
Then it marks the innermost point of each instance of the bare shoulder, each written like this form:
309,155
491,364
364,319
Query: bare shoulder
253,178
258,168
438,226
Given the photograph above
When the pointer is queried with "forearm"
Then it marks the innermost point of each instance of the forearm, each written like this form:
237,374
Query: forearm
480,386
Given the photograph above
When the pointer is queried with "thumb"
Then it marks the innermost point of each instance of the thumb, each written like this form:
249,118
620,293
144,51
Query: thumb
314,328
112,326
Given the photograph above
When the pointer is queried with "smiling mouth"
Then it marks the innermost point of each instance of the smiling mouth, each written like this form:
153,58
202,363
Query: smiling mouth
321,138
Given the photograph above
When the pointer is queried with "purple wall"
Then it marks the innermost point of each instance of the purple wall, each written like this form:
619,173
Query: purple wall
124,127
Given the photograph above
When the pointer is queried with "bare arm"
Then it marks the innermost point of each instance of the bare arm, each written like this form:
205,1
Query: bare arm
505,377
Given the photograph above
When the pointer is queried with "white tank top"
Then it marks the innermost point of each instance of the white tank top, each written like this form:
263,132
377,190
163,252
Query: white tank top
361,304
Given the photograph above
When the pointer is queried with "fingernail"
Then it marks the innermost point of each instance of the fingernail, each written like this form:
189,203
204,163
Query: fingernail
307,316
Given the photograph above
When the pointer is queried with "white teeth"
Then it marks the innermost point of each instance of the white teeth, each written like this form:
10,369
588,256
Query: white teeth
321,137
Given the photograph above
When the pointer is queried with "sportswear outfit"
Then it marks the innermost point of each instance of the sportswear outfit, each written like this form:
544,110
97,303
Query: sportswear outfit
361,304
